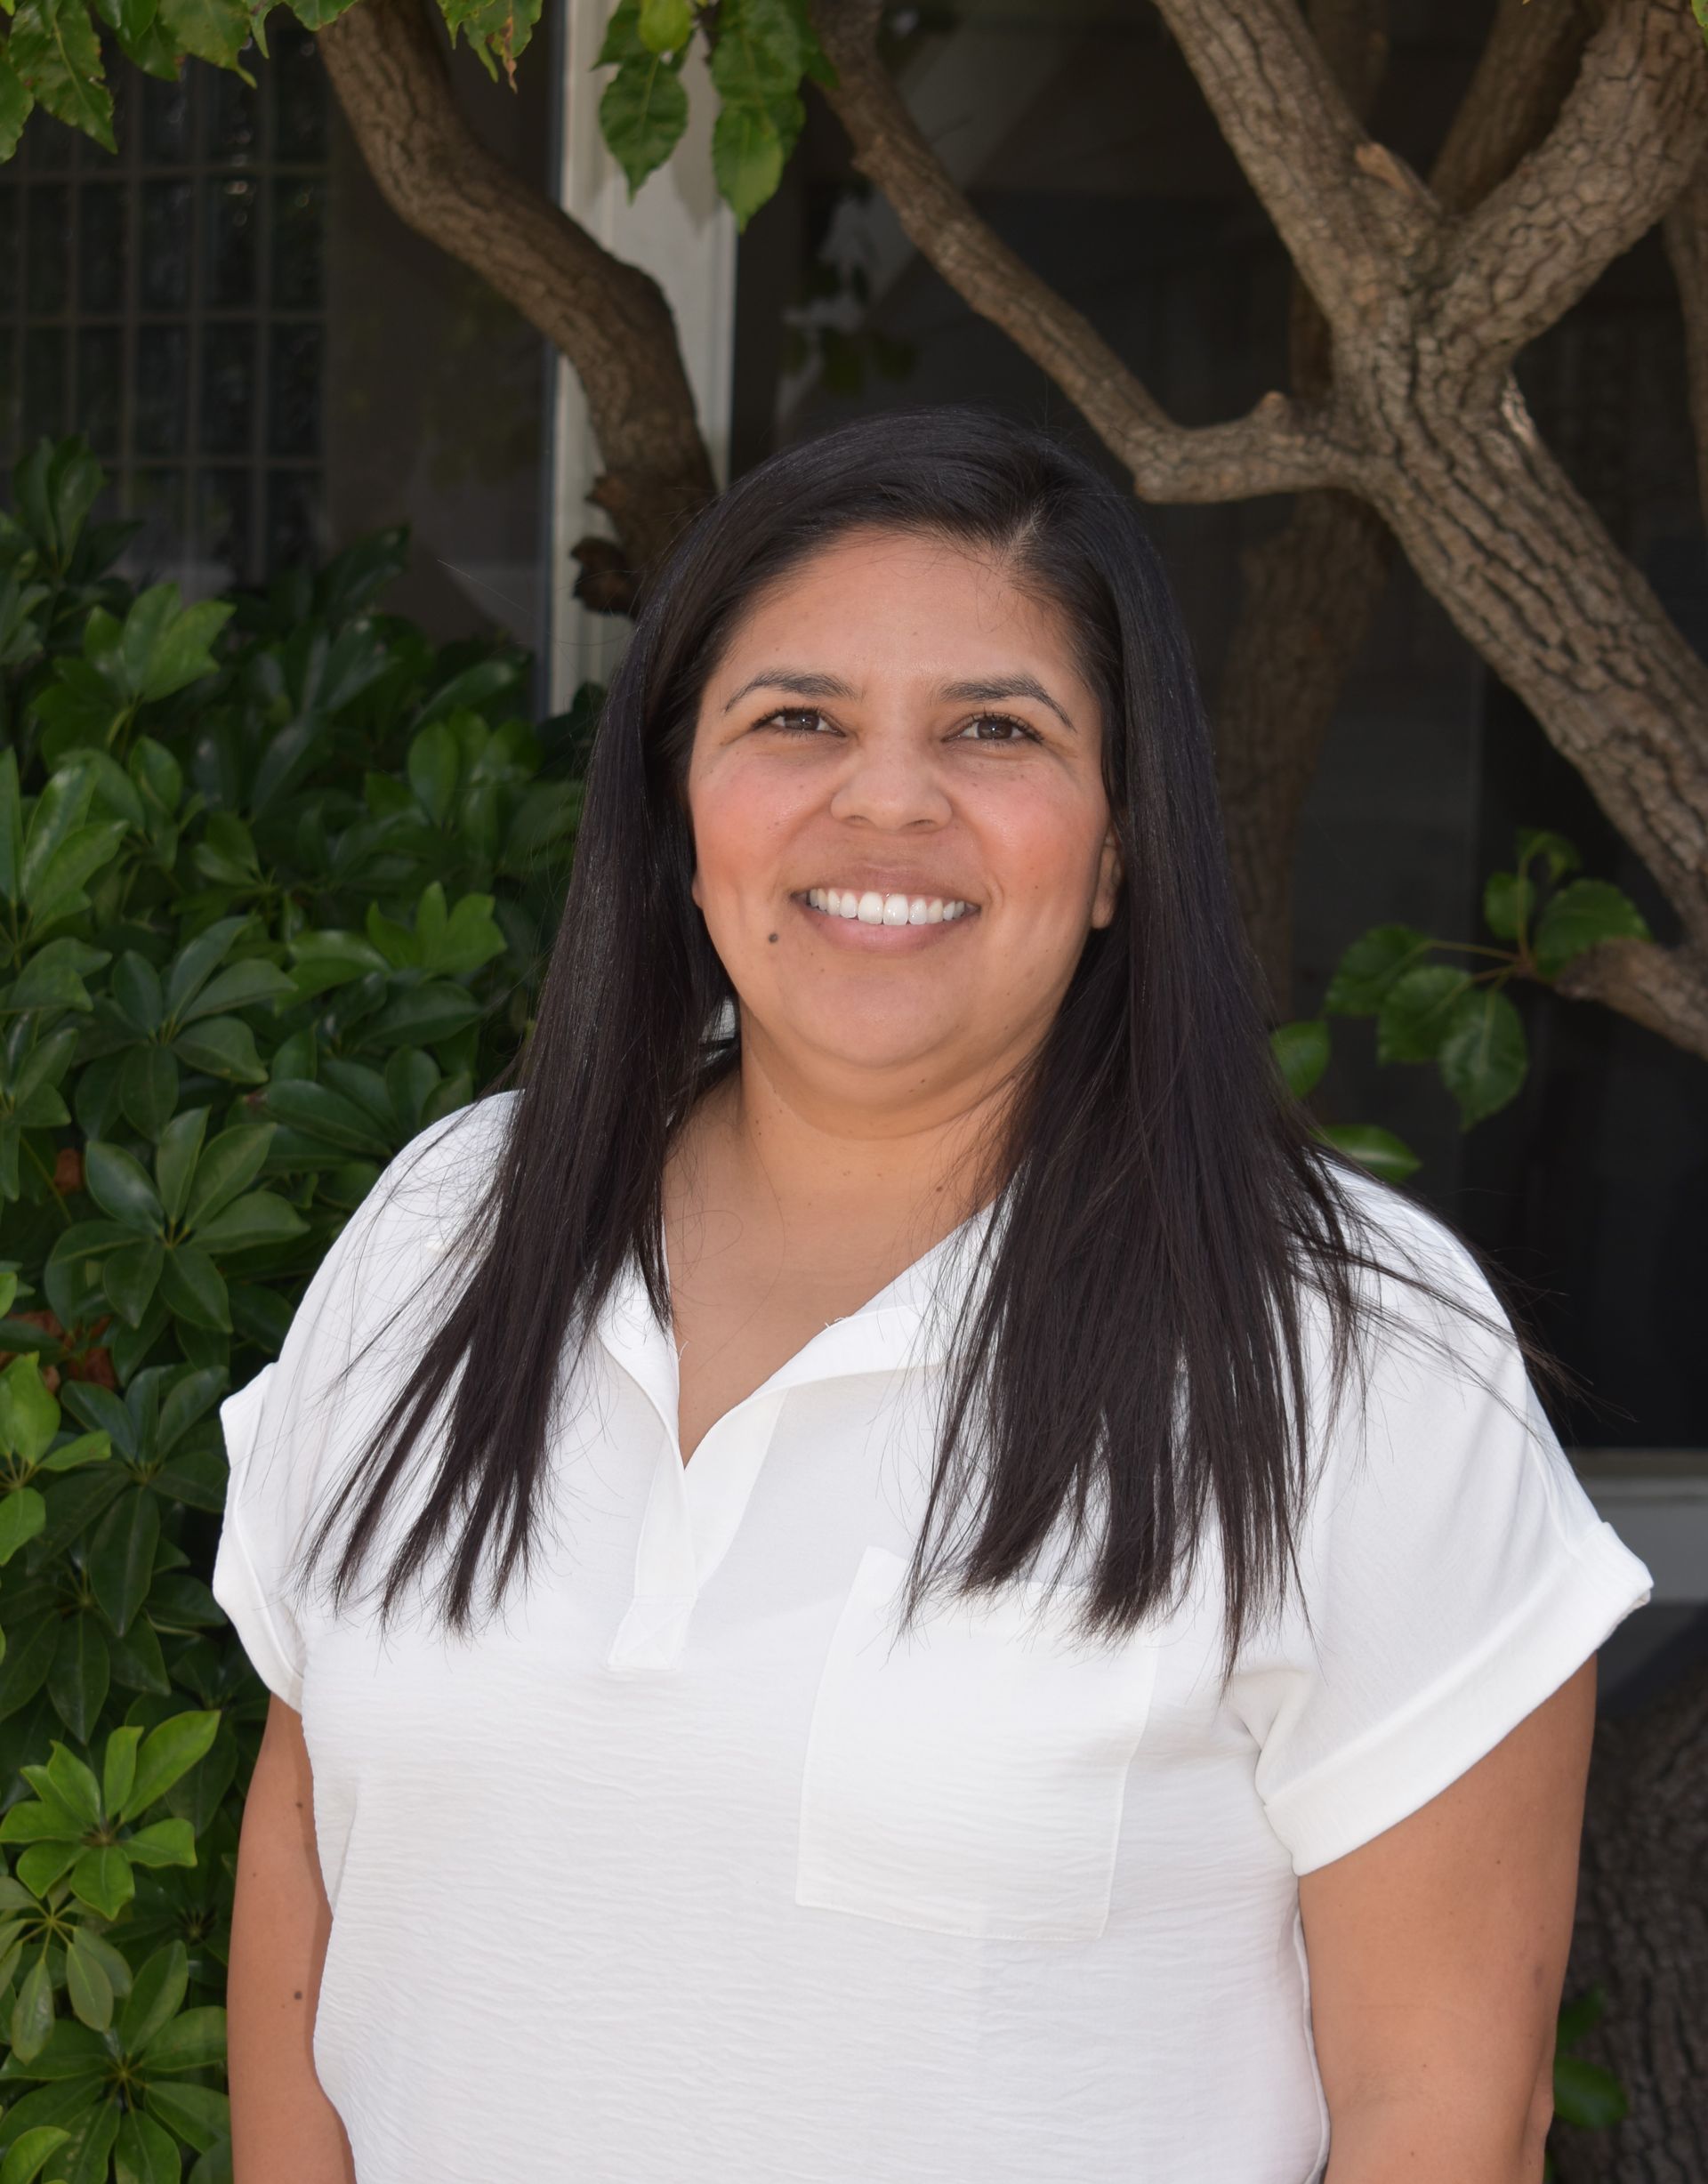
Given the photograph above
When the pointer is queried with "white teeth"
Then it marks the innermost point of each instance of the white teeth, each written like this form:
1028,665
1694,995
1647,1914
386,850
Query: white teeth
872,909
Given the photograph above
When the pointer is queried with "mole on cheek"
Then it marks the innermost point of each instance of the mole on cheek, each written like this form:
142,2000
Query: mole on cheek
770,936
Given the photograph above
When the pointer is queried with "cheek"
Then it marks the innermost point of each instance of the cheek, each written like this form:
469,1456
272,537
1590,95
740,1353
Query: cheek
1043,848
741,815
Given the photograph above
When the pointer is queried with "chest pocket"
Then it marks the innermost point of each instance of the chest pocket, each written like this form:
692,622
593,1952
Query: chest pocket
968,1777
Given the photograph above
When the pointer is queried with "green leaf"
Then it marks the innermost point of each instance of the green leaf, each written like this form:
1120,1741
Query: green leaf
88,1989
261,1218
223,1046
197,962
53,978
103,1879
1416,1011
118,1770
642,113
748,155
1558,853
196,2113
29,2154
120,1556
28,1656
164,1843
1301,1049
15,105
32,2013
130,1277
81,1671
74,1785
1483,1057
240,985
56,56
12,827
41,1819
194,1290
1583,914
119,1186
326,1115
29,1417
156,1997
227,1168
171,651
434,765
22,1514
170,1750
146,2153
1370,966
1586,2096
148,1089
1508,901
216,30
175,1160
193,2040
664,25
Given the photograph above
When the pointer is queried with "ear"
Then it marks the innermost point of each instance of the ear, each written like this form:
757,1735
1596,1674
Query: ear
1109,881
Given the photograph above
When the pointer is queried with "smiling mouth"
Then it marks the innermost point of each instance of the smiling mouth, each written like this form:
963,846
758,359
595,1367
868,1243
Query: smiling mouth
872,909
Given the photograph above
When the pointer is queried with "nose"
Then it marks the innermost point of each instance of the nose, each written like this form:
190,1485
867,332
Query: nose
892,780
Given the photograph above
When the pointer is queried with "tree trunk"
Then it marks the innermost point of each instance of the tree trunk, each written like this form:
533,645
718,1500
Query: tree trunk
1642,1935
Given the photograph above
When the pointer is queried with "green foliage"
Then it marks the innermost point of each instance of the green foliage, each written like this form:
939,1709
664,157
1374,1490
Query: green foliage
275,874
1461,1020
1586,2096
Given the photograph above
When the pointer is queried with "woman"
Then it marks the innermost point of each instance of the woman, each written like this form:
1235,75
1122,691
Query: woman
908,1555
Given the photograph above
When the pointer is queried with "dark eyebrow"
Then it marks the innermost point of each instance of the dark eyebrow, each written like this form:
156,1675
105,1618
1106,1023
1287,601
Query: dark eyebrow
798,681
807,682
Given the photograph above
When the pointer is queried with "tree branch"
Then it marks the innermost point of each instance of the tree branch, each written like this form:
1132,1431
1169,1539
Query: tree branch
1630,132
1278,447
1663,989
1522,79
1352,215
610,319
1685,229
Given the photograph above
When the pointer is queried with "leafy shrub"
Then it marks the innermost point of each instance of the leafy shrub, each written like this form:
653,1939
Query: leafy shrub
276,875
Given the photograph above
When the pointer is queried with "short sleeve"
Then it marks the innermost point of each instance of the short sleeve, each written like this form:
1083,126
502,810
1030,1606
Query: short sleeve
1453,1572
289,1431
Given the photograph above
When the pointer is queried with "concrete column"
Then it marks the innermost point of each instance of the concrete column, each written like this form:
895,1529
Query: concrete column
681,231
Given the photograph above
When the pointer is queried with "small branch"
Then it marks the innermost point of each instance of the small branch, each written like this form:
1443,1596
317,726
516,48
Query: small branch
1521,82
610,319
1663,989
1685,229
1633,126
1278,446
1352,215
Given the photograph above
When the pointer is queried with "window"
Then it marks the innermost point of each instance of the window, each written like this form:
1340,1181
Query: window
170,304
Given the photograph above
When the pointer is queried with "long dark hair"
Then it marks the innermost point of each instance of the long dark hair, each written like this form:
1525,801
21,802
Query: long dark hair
1132,1367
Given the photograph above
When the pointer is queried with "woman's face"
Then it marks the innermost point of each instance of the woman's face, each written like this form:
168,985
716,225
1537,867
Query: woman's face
897,731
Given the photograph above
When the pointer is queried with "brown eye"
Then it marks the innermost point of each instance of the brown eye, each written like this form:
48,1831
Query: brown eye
793,720
1021,732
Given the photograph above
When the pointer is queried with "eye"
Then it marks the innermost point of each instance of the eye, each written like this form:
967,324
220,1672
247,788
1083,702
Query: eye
1000,720
793,720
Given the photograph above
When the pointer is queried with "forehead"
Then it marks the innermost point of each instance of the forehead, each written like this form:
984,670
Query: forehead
901,601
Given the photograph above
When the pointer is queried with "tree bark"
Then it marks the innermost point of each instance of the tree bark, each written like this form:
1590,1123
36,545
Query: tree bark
1642,1935
610,319
1423,422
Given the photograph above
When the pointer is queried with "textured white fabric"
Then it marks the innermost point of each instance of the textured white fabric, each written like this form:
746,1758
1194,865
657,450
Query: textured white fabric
681,1873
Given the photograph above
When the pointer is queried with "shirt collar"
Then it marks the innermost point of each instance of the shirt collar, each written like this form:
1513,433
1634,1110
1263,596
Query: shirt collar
908,1323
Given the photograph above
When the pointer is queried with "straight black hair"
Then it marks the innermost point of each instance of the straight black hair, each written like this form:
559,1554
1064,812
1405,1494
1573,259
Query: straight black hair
1132,1371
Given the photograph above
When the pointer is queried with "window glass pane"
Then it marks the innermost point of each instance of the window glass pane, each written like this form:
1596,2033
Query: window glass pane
158,497
162,360
228,401
11,211
45,387
100,248
299,97
9,447
52,147
165,120
230,213
48,243
292,519
293,390
297,229
100,367
164,283
233,119
222,500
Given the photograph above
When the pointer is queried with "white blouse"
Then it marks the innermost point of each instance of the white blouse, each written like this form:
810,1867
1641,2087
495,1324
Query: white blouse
681,1873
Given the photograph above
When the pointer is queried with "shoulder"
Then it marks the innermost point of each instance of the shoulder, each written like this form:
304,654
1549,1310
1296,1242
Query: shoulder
1410,1266
409,1227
